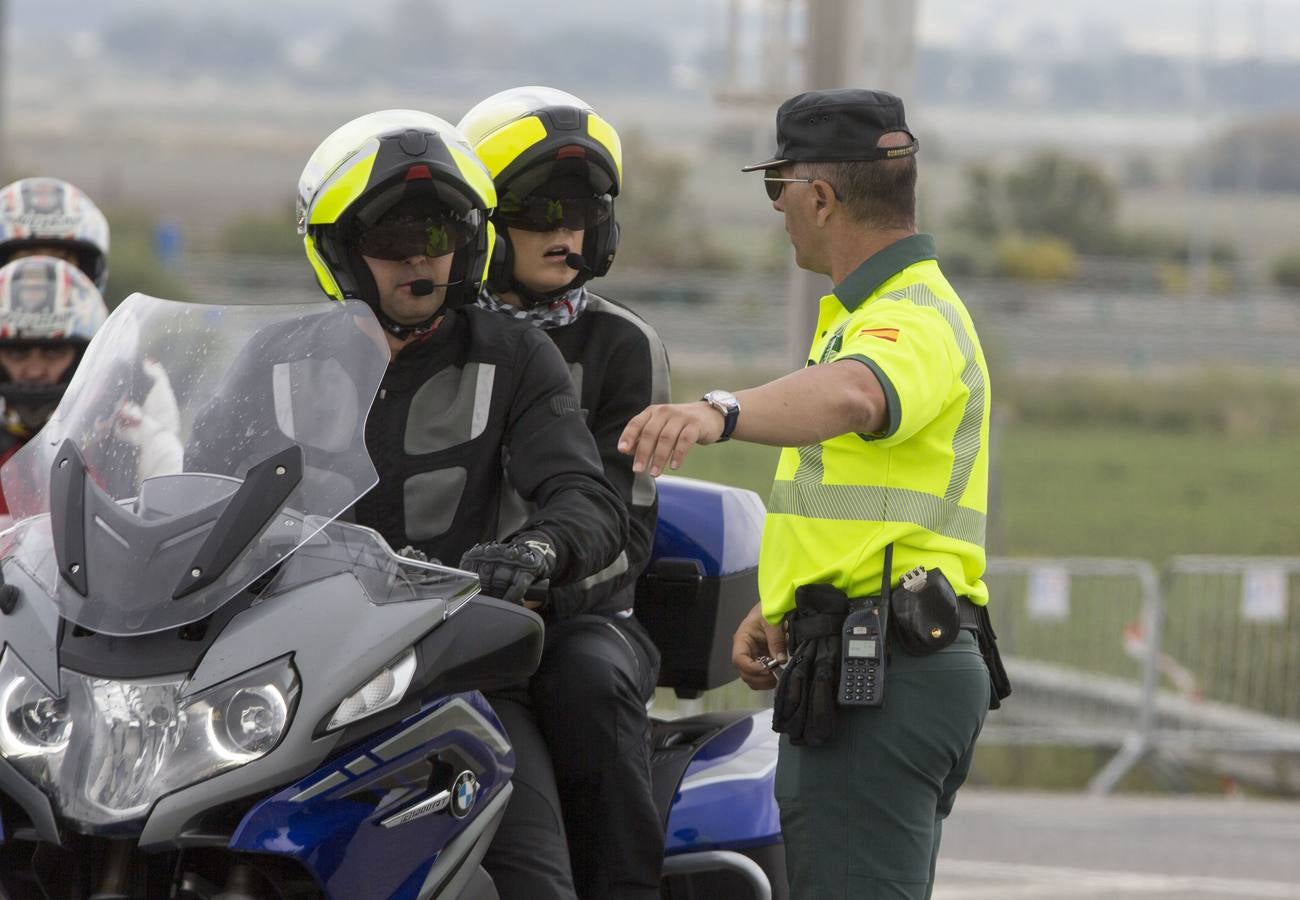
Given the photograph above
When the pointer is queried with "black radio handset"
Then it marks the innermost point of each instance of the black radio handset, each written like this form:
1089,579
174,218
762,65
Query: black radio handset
862,645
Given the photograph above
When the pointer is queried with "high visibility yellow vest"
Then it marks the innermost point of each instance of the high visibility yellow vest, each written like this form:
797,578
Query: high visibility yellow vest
923,482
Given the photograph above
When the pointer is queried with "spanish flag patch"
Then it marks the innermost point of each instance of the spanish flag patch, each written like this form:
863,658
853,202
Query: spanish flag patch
885,334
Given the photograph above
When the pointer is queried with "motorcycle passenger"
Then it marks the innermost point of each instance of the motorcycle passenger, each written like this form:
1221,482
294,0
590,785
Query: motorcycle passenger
48,313
50,217
557,167
393,209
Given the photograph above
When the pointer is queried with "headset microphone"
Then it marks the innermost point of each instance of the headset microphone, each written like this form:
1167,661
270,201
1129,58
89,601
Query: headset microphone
421,287
579,262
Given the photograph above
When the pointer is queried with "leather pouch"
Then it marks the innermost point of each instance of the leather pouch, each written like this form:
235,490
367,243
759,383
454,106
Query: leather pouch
925,620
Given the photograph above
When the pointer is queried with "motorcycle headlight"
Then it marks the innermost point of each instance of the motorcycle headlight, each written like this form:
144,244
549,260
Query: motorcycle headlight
34,722
384,690
107,750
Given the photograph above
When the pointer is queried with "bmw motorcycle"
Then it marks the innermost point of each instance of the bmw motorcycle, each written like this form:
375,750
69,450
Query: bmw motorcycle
213,687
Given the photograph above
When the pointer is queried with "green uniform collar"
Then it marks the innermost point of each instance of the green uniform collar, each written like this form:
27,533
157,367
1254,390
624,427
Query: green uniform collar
881,266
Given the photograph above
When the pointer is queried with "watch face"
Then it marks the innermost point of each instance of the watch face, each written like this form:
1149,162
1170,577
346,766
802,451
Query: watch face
721,398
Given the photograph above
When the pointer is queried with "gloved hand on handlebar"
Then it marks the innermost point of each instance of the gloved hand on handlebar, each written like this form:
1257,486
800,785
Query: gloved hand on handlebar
506,569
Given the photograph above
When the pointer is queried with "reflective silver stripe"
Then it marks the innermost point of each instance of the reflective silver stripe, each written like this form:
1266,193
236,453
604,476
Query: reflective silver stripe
482,399
810,469
660,391
863,503
644,489
361,765
282,394
333,780
613,570
967,438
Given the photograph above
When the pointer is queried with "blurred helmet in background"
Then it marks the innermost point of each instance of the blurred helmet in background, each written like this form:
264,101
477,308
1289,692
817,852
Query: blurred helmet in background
45,302
38,215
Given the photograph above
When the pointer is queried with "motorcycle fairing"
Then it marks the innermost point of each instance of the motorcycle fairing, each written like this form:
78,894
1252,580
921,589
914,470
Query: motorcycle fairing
344,822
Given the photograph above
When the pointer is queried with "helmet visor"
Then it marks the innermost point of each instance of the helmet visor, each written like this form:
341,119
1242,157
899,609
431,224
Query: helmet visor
549,214
408,236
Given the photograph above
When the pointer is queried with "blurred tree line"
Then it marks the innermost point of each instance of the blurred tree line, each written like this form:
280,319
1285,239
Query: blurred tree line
1037,220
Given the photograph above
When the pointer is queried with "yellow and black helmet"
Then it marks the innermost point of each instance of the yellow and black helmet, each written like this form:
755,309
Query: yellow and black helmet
531,137
370,165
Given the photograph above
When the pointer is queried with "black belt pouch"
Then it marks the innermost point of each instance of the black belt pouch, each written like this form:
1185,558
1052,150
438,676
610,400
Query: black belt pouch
925,621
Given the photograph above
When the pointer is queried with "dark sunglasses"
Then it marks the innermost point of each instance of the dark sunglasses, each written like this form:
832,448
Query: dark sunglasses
405,238
549,214
775,184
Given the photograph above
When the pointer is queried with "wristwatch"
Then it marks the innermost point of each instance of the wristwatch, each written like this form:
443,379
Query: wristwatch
726,403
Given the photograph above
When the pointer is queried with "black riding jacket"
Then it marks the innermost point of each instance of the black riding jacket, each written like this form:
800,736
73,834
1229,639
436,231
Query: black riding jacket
482,403
619,366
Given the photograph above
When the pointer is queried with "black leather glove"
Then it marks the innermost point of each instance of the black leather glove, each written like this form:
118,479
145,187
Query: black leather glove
506,569
804,707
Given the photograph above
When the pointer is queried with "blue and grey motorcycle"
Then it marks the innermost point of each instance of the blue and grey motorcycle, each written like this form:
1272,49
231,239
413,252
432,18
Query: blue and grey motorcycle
212,687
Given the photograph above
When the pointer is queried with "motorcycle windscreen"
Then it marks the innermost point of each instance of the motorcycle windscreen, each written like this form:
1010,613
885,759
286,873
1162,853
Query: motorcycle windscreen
196,447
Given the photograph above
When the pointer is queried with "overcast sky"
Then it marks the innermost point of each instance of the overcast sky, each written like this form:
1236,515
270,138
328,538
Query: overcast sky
1238,27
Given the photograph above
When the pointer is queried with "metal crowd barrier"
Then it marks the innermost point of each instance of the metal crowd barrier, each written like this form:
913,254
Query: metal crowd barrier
1196,665
1200,664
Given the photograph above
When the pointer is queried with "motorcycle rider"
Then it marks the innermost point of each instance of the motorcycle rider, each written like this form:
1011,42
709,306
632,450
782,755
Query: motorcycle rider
557,167
393,208
48,313
50,217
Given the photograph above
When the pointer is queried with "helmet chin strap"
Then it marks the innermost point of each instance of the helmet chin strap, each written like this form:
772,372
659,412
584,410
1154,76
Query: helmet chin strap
421,287
531,299
402,331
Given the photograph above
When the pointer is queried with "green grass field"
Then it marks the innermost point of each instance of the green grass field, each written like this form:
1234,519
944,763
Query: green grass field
1094,489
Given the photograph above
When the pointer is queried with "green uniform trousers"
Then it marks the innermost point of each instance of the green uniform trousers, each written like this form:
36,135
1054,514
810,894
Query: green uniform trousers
862,814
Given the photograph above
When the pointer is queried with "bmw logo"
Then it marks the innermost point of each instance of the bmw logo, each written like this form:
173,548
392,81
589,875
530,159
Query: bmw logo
463,794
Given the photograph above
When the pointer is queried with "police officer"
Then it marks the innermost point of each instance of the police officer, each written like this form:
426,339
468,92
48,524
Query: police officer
393,210
886,445
558,166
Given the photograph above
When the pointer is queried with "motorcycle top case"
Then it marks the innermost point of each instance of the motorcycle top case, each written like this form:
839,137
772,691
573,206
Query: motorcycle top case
701,580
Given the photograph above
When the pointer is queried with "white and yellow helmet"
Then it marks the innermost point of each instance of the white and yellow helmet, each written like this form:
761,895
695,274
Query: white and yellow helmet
371,164
36,213
528,136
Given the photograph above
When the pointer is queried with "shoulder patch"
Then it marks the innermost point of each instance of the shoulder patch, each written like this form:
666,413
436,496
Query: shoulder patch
562,404
885,334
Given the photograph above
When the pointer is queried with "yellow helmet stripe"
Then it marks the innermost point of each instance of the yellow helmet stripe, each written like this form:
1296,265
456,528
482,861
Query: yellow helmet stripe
507,143
346,186
323,273
475,175
491,247
604,133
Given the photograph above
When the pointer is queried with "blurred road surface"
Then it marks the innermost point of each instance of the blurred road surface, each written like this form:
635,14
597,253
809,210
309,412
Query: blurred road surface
1060,846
